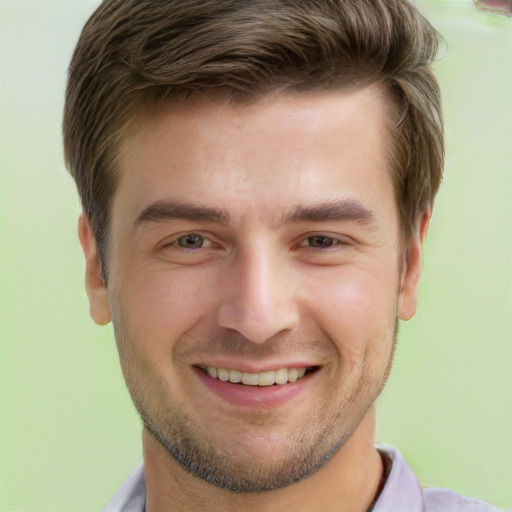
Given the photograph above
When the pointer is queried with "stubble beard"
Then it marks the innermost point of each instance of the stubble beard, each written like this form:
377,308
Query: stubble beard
309,450
198,457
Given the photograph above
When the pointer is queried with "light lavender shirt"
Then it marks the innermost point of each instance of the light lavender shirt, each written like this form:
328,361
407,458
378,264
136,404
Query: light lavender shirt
401,493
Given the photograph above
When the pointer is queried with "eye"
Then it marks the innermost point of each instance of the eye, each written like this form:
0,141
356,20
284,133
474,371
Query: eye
321,242
324,249
192,241
189,248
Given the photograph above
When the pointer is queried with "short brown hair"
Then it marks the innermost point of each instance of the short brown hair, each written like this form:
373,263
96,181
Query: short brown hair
133,53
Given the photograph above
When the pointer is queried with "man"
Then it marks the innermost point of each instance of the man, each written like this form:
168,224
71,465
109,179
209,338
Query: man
257,179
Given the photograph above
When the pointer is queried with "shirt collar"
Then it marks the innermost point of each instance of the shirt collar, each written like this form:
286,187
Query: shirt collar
401,493
131,496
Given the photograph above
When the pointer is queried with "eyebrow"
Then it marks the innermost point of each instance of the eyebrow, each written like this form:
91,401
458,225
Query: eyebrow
165,210
335,210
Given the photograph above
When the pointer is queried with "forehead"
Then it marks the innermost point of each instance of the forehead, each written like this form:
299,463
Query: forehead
280,151
315,109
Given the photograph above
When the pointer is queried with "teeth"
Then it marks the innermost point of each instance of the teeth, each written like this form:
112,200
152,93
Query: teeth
235,376
222,374
266,378
281,376
250,379
292,375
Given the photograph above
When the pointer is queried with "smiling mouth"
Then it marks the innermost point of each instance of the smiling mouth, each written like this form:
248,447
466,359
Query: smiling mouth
264,379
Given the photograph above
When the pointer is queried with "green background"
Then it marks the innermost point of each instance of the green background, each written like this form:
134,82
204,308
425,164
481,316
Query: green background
69,434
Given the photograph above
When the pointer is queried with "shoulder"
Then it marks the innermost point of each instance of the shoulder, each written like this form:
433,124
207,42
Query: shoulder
444,500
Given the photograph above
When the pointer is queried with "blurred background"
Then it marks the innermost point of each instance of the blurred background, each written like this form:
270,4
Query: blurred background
69,434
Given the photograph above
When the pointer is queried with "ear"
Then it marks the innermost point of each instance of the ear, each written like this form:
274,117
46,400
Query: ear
95,287
411,269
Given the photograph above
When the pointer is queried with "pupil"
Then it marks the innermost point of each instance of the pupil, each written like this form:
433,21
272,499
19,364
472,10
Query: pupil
321,241
191,241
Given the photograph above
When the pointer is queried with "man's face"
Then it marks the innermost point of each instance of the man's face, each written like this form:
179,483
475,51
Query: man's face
258,243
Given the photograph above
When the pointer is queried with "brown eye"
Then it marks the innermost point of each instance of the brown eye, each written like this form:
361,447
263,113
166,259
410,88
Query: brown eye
191,241
321,242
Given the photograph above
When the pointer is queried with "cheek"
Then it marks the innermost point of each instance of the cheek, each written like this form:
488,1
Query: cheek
358,314
157,307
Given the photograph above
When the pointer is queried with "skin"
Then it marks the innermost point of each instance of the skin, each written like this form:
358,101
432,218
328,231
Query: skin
285,281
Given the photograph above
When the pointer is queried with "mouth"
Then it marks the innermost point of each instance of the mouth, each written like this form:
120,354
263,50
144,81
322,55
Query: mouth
277,377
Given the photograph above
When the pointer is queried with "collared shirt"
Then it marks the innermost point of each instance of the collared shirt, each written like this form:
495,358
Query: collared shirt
402,492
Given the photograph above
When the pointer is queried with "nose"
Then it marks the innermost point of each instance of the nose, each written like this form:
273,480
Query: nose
258,301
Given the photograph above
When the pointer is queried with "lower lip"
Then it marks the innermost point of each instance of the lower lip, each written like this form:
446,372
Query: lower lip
258,397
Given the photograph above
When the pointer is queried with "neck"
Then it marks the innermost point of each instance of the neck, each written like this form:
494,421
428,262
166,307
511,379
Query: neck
349,482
